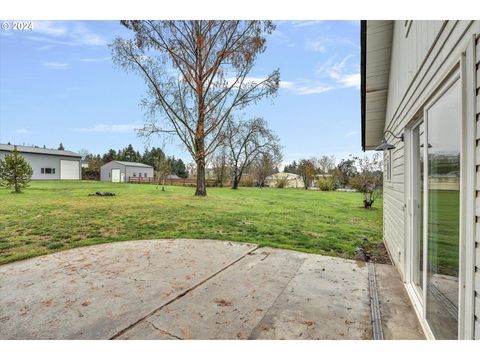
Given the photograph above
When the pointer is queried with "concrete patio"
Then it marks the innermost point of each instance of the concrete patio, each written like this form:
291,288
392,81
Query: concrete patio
197,289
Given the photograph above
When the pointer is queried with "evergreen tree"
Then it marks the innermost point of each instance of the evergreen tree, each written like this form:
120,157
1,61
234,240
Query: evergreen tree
15,172
110,156
60,147
151,156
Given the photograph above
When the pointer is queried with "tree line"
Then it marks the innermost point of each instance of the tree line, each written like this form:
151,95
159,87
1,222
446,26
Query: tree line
155,157
364,174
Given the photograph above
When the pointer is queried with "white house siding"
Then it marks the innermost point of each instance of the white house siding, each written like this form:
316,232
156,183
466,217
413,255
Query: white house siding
477,235
420,58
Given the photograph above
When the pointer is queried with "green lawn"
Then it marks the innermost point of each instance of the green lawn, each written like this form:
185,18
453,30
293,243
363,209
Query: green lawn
56,215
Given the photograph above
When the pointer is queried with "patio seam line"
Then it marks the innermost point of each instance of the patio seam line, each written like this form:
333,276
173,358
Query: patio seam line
182,294
274,301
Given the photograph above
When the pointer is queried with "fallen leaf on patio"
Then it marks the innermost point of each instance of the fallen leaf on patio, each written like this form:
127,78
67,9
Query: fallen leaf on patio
222,302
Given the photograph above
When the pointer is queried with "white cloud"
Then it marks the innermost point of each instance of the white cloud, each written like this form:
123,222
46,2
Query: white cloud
351,133
111,128
49,28
56,65
350,80
343,72
318,45
22,131
305,23
95,59
312,89
45,47
286,84
59,33
322,43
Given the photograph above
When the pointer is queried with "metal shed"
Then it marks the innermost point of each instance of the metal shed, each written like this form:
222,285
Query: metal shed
121,171
48,164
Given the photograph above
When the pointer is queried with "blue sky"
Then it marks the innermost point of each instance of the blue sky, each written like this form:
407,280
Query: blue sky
58,84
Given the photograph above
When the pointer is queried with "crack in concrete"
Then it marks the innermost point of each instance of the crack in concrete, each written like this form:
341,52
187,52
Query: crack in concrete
182,294
164,332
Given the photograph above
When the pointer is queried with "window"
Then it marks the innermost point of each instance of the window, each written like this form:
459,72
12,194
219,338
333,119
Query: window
134,174
387,160
145,174
47,170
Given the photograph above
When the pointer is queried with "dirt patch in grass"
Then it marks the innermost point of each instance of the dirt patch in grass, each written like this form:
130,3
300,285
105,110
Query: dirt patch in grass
377,253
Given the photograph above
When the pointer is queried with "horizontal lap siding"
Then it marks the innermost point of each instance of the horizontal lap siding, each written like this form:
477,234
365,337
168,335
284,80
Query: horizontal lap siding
477,243
419,62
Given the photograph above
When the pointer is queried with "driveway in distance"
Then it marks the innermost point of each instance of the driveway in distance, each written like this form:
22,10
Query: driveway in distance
197,289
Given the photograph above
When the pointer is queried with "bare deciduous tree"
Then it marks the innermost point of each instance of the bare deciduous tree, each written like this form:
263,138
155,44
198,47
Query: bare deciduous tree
246,142
325,164
306,169
196,73
266,164
219,162
163,168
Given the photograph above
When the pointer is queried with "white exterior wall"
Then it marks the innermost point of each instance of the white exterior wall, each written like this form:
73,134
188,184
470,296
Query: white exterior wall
420,59
130,170
106,170
38,161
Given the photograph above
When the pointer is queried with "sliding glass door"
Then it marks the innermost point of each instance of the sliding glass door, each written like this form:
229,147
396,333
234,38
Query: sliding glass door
435,153
443,209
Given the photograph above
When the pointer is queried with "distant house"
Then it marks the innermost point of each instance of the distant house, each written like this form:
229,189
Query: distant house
172,176
421,106
121,171
48,164
289,180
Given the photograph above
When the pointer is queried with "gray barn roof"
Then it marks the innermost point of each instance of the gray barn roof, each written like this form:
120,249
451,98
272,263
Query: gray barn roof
129,163
35,150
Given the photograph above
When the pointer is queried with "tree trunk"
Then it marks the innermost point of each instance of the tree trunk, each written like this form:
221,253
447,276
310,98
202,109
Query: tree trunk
236,182
201,187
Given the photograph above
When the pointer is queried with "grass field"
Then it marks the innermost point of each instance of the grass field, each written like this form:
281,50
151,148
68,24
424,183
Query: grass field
50,216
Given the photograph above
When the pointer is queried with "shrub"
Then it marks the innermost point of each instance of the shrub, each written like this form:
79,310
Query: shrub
247,181
15,172
325,184
282,182
368,184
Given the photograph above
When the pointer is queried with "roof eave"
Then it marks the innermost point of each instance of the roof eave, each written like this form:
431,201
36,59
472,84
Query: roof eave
376,44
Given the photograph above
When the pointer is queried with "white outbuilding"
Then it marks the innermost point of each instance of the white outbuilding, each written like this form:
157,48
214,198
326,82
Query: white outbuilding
123,171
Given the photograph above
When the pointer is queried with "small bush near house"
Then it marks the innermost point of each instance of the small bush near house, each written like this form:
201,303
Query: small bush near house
325,184
281,183
15,172
247,181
